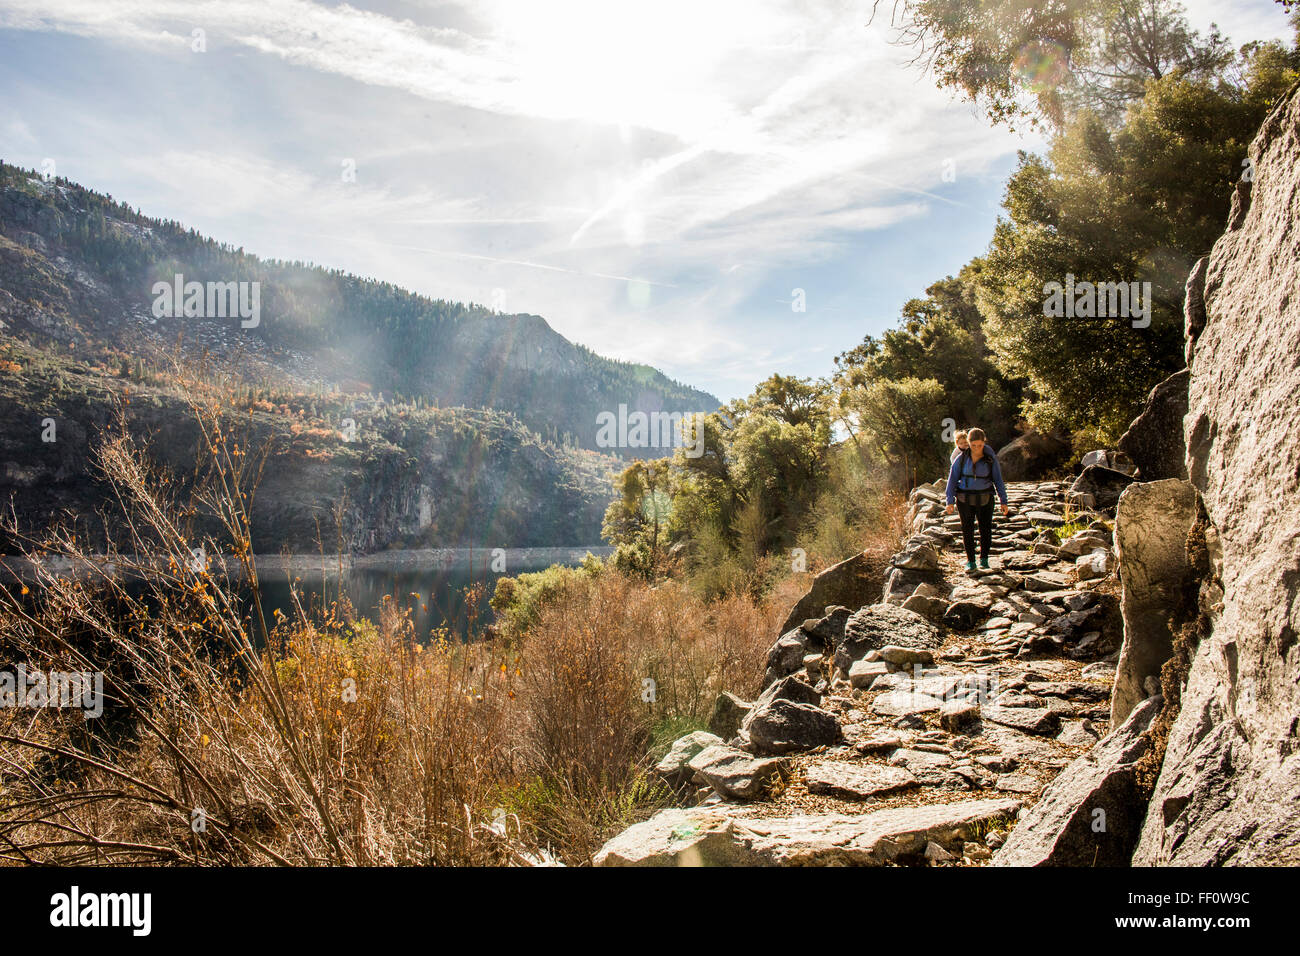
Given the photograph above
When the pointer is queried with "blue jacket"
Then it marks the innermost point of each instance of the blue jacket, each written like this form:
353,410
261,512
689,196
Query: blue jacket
954,474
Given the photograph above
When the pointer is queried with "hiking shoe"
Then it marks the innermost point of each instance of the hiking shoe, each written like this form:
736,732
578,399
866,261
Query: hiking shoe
984,563
970,565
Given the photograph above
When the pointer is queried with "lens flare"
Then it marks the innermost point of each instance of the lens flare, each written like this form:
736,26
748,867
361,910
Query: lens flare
1041,65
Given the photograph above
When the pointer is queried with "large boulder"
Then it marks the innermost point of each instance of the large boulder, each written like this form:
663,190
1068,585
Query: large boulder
1091,814
785,726
1033,455
1227,787
1151,526
878,625
1154,440
786,718
1103,484
853,582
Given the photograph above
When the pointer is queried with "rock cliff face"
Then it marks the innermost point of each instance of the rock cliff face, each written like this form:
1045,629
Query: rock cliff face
410,479
1151,527
1229,786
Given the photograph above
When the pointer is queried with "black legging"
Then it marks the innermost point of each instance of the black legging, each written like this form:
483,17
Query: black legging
969,514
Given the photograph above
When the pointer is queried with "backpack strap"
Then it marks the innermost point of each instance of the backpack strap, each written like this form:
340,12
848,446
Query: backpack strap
968,470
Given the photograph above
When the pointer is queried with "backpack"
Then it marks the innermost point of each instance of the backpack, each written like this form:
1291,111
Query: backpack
974,487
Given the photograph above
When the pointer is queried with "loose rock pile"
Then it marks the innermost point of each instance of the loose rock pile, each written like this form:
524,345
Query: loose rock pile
916,729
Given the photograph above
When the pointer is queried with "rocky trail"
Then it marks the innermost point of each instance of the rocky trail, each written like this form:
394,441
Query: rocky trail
953,722
919,729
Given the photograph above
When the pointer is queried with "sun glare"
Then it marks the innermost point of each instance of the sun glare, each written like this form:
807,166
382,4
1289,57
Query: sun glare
652,64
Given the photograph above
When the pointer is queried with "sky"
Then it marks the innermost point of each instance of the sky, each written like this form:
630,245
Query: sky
664,182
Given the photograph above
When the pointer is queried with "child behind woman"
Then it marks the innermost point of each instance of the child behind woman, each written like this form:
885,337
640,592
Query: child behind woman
963,442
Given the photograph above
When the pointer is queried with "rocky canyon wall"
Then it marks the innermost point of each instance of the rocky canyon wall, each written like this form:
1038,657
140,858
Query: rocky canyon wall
1228,790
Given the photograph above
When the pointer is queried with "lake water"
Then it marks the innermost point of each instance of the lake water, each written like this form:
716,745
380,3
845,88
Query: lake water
432,583
434,590
436,598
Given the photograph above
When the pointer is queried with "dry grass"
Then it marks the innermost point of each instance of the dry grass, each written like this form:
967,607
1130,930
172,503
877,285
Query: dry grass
612,673
224,741
335,741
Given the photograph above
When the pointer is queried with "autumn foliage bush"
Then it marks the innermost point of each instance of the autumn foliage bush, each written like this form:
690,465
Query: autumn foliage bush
323,738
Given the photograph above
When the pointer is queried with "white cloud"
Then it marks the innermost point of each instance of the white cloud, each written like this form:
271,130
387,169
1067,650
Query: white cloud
1241,20
760,134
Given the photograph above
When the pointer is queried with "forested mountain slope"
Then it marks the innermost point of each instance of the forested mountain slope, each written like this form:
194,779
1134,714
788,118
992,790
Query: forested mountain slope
393,419
79,270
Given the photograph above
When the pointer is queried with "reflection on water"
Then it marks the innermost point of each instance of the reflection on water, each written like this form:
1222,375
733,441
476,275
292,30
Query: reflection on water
436,598
442,589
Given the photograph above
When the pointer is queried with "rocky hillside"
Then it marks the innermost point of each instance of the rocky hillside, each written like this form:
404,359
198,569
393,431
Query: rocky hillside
916,728
419,422
78,273
399,476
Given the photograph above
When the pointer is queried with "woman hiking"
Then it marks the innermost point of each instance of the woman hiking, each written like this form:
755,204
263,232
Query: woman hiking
974,476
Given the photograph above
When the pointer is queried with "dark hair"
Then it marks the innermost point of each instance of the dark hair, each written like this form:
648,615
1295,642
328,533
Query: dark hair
976,434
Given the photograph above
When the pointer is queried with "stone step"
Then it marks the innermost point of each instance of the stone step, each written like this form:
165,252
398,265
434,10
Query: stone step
721,835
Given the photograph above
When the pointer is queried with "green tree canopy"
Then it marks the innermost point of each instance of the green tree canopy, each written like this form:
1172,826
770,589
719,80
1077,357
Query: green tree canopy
1035,60
941,338
903,420
1135,204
